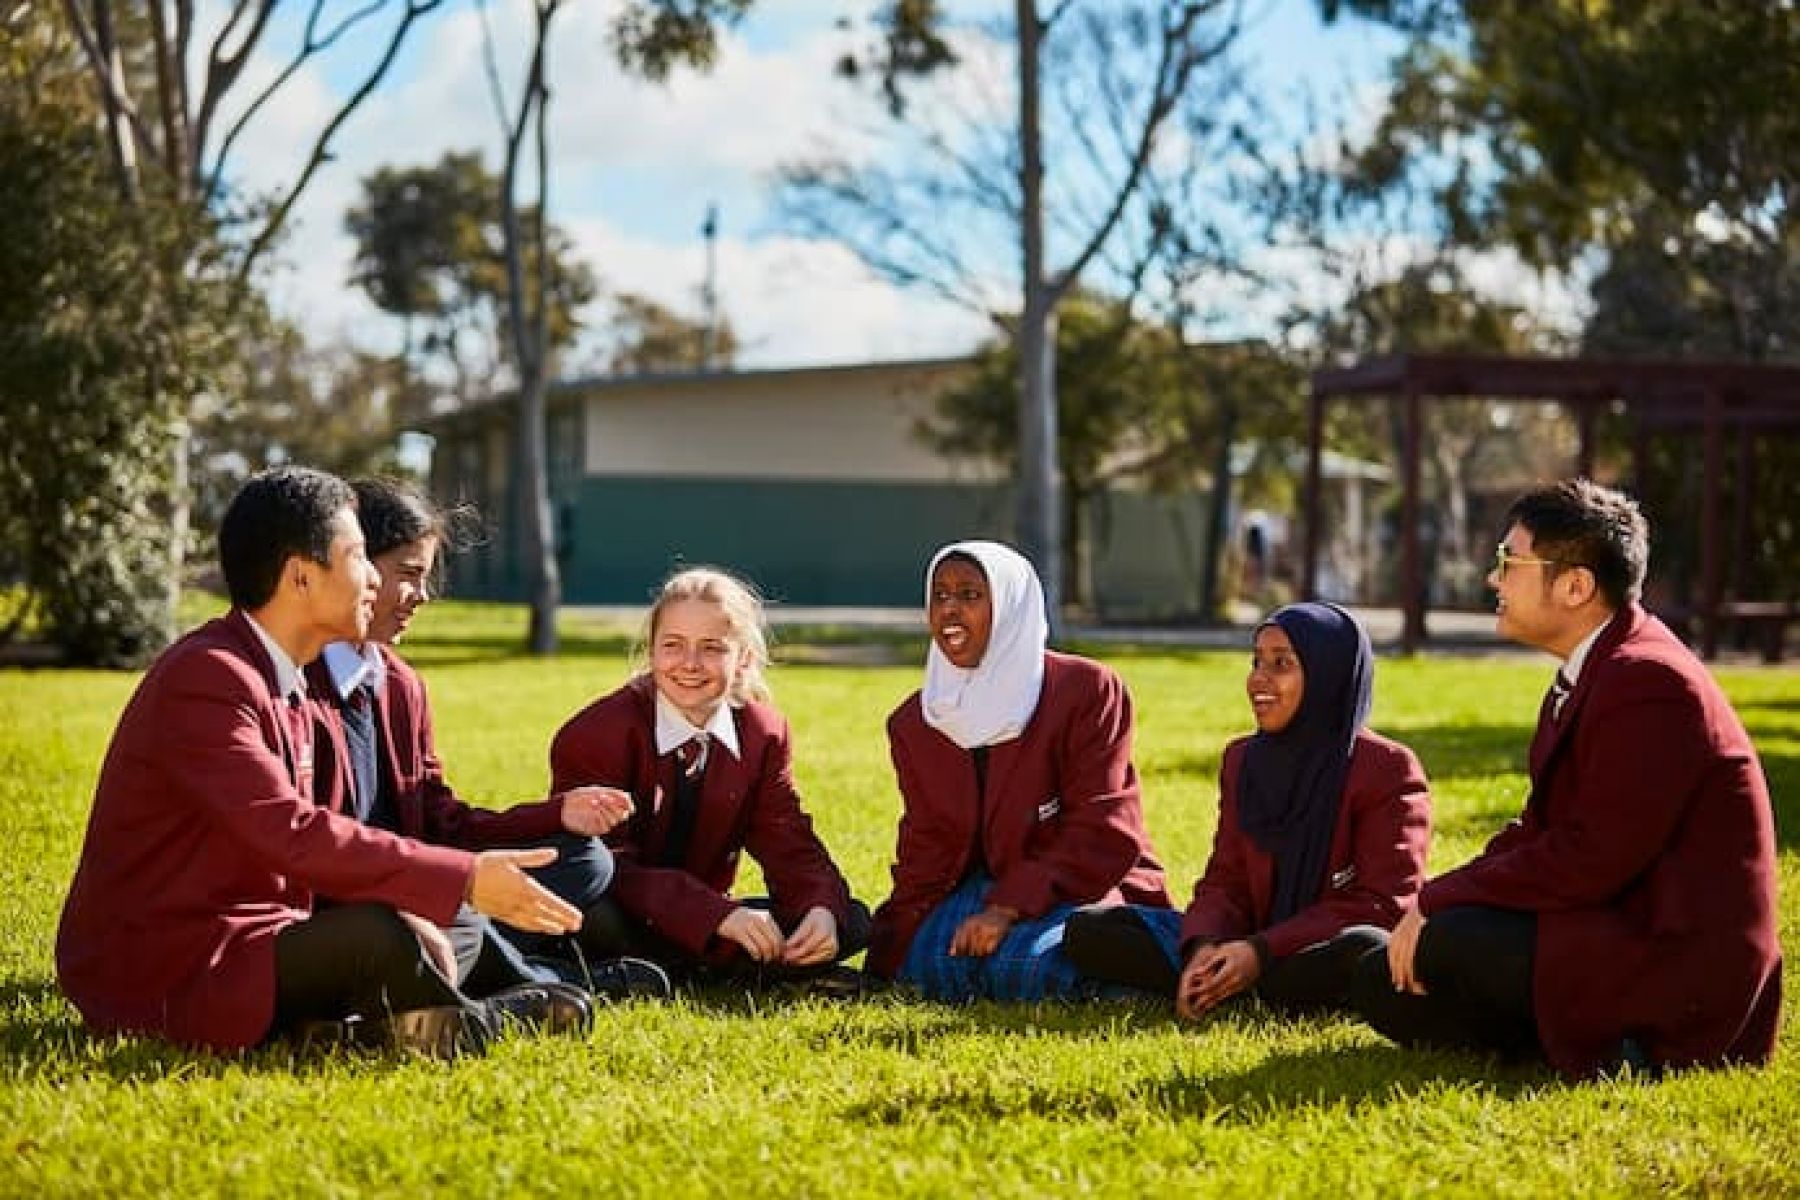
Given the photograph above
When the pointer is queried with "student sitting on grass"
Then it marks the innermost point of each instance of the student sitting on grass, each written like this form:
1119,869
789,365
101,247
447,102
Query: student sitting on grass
1322,833
706,760
1020,798
1628,916
192,914
386,767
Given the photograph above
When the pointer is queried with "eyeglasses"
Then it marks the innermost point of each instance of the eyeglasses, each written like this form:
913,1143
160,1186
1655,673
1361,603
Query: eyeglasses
1504,558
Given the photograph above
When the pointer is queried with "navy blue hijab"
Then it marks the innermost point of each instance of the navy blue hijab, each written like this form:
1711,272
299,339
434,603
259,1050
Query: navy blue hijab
1291,785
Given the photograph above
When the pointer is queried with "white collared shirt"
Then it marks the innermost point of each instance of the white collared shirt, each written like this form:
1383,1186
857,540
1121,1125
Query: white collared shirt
350,667
289,682
1571,668
674,730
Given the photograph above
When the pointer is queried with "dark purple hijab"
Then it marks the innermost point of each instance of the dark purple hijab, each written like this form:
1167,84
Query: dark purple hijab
1291,785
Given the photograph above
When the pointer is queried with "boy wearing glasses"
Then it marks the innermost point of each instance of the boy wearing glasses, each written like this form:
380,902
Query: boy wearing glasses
1628,916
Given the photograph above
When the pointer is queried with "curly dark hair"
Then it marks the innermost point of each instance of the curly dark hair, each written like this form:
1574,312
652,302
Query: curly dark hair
1579,523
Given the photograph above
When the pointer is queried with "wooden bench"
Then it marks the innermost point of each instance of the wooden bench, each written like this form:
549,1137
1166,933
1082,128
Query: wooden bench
1763,623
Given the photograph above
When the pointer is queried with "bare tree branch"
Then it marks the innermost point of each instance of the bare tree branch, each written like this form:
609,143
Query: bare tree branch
321,147
223,69
1178,59
310,46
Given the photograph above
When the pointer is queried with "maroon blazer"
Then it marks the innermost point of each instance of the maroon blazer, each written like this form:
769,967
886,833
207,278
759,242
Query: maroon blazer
204,844
1647,851
1063,819
425,805
747,802
1376,865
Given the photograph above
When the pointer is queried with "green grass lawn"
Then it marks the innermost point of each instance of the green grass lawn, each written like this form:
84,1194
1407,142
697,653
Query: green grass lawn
761,1097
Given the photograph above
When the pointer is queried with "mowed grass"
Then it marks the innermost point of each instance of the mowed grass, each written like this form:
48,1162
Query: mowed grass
753,1097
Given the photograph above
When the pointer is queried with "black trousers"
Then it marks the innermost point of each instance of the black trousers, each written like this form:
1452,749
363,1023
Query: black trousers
1476,965
1111,943
610,932
349,960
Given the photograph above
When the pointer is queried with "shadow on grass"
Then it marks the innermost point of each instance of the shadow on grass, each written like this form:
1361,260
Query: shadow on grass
1327,1076
1465,751
41,1037
1282,1082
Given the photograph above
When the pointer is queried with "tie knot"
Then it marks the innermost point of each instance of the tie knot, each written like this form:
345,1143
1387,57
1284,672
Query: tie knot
692,755
1559,695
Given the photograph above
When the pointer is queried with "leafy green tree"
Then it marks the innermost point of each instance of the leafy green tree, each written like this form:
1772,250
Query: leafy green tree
1136,406
648,337
89,346
1098,82
172,101
430,249
1648,138
1430,308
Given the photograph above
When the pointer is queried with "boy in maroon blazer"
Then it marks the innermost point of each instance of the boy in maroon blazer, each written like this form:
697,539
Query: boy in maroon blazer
1628,916
191,915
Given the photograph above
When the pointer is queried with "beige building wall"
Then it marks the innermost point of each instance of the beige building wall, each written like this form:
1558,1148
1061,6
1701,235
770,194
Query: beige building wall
849,423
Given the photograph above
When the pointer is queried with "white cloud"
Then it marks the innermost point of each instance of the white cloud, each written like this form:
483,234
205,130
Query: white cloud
635,166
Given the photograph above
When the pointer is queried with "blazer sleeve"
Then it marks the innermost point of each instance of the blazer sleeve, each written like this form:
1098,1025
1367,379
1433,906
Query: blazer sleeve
595,747
451,821
221,734
929,856
1389,807
1223,907
780,837
1096,843
1639,748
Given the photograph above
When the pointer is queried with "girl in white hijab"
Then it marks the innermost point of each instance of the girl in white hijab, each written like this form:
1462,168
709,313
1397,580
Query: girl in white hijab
1021,802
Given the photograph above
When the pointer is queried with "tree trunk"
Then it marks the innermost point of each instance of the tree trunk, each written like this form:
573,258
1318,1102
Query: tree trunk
1039,505
530,328
1079,594
1218,512
537,520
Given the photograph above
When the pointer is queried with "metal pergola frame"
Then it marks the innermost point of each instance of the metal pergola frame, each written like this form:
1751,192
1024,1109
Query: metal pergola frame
1653,394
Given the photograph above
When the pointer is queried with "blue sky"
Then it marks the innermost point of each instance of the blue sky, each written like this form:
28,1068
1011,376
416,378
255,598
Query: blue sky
636,166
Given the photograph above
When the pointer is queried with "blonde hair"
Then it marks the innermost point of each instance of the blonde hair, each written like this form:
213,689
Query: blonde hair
743,609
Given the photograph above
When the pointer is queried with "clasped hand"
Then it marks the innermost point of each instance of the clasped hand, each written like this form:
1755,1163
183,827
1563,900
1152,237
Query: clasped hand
813,941
1214,974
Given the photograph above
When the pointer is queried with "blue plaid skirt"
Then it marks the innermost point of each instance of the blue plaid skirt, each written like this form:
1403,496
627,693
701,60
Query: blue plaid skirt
1029,963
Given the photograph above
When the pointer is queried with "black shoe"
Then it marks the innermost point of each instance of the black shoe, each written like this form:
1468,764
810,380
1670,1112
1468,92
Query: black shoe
541,1008
629,979
446,1032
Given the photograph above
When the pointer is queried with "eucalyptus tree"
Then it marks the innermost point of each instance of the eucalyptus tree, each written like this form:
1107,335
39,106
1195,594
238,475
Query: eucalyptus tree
1041,163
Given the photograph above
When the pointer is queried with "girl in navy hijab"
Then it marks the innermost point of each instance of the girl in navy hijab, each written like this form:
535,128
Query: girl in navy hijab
1322,833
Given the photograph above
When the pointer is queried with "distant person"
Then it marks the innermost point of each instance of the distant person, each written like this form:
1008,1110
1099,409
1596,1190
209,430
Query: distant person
1321,840
1020,797
386,765
1628,917
192,913
708,763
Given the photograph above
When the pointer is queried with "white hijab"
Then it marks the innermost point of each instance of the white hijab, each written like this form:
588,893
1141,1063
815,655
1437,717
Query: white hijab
993,701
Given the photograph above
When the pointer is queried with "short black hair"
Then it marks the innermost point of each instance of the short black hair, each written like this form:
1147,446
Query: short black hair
276,515
1579,523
